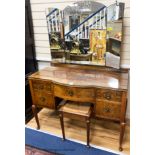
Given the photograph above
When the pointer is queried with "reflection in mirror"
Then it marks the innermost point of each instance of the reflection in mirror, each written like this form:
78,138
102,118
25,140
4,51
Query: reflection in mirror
86,32
56,34
114,34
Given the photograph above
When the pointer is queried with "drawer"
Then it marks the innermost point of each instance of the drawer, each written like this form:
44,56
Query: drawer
108,109
110,95
43,99
74,93
39,85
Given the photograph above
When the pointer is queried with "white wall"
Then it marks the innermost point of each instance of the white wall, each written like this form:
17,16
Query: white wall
41,36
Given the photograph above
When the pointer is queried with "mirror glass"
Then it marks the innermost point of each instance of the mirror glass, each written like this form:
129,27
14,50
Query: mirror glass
86,32
115,14
55,28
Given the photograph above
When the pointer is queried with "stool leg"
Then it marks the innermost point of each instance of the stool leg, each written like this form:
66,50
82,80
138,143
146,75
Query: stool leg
88,132
62,125
36,116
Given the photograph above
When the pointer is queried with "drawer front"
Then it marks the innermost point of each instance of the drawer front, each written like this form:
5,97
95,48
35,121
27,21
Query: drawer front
43,99
108,109
42,93
75,94
39,85
110,95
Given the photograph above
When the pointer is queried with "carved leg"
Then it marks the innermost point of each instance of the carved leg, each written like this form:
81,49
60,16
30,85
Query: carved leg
88,132
62,125
36,116
122,129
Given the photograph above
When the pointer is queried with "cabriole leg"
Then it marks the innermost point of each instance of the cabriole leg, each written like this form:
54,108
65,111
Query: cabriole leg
122,129
36,116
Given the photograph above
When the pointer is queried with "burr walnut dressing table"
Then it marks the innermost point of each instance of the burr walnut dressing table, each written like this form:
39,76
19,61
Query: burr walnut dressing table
107,90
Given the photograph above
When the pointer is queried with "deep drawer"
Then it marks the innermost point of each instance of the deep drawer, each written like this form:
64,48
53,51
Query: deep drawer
108,109
43,99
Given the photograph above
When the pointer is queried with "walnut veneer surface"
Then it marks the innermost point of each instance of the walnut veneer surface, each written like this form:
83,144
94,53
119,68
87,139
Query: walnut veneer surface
83,77
107,90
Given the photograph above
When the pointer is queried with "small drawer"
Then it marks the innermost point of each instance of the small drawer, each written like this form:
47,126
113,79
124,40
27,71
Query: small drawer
110,110
110,95
38,85
74,93
43,99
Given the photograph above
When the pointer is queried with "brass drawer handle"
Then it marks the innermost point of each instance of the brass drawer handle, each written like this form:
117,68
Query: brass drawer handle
107,96
41,87
42,99
107,110
48,88
70,93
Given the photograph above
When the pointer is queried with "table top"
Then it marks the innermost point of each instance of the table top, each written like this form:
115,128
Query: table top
83,78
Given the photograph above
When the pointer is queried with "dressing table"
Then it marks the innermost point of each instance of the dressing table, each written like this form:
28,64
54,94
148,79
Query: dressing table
80,80
107,90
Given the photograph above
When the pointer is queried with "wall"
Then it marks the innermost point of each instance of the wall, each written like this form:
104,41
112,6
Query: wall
41,37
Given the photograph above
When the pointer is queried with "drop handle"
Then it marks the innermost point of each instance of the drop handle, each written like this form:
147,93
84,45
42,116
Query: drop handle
41,87
107,110
42,99
70,93
107,96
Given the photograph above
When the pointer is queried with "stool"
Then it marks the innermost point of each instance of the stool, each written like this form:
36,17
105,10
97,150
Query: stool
76,110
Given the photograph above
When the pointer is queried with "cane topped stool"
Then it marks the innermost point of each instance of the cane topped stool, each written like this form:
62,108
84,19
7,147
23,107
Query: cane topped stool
76,110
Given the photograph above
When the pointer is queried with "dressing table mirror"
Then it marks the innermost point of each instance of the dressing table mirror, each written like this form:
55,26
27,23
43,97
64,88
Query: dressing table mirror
86,32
